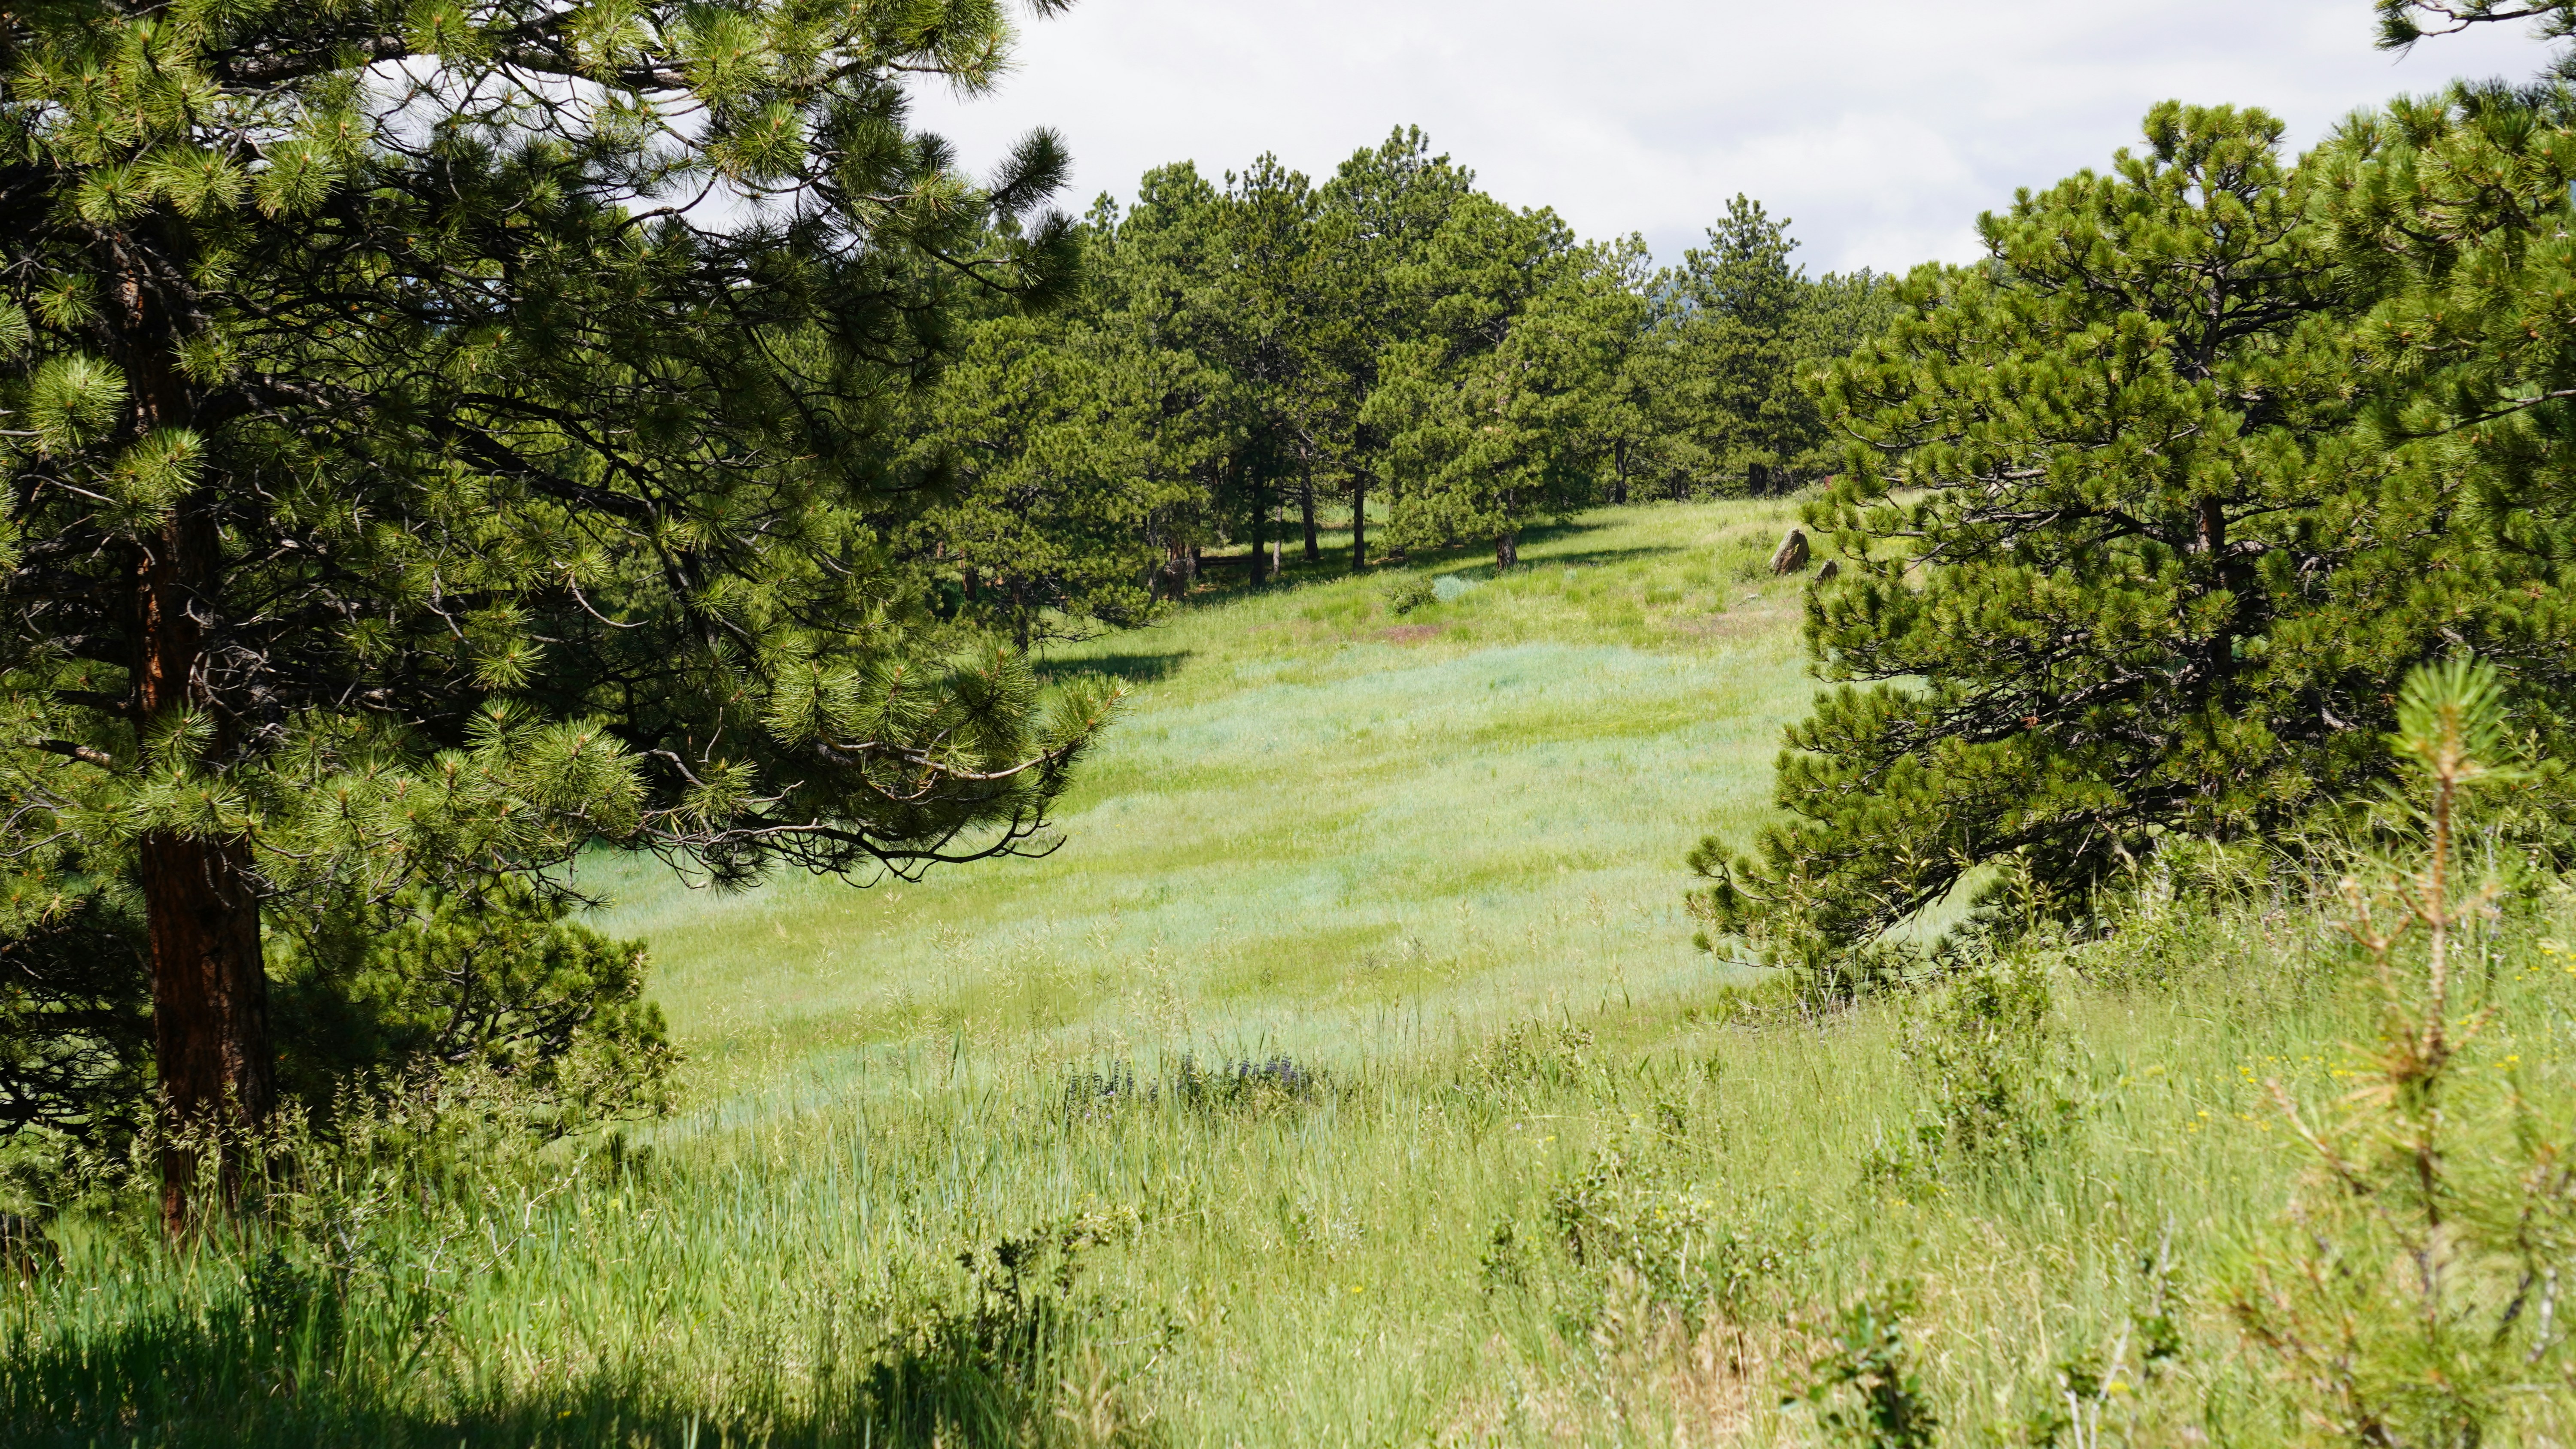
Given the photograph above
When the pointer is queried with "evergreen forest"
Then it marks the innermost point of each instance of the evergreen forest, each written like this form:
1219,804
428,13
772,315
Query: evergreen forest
681,771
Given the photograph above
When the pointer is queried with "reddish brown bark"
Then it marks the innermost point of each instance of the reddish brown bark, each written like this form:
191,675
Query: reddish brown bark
209,1008
209,989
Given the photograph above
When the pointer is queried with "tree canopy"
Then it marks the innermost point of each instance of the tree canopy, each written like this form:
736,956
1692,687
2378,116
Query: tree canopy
1394,345
2149,511
437,440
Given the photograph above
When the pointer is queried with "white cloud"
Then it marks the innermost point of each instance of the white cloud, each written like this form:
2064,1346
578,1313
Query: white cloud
1882,126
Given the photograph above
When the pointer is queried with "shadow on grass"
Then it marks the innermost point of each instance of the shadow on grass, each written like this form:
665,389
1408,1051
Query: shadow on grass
1225,576
1594,558
1133,668
1466,564
253,1378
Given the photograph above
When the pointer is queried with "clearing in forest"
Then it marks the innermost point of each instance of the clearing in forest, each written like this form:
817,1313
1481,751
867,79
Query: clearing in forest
1319,824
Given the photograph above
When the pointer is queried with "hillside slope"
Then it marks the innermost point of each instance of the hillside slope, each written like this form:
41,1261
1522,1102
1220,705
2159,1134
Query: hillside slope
1316,818
1346,1080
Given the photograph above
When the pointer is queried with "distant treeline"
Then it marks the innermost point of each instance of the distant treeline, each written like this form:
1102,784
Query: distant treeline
1247,362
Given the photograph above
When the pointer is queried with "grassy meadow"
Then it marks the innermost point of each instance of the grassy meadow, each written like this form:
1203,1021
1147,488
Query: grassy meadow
1318,826
1347,1078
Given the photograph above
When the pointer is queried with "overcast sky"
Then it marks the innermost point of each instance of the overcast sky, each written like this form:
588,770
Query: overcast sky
1882,127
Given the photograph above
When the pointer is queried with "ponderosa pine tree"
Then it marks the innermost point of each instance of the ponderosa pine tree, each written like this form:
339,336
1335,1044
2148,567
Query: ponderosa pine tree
1246,299
1187,276
1042,442
1484,440
1147,294
2116,563
1277,296
437,439
1718,373
1248,328
1391,201
1481,428
2451,214
1842,312
1735,309
2404,22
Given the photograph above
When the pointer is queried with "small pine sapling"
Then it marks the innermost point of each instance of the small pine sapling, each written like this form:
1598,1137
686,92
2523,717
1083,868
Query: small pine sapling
2413,1299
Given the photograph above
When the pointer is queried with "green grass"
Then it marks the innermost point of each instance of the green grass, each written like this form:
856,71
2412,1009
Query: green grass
1438,868
1315,822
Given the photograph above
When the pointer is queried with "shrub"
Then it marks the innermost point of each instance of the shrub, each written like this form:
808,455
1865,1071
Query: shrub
500,978
1233,1086
2085,1388
1408,592
1684,1251
1862,1388
1991,1063
999,1368
1527,1054
1245,1085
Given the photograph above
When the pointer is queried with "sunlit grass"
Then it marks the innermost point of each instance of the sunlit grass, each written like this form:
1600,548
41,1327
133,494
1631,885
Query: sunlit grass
1316,818
1435,861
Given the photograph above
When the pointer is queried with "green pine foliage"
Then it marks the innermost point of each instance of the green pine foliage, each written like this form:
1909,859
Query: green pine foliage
1716,375
2410,1296
2402,23
495,978
2452,214
1490,415
76,1012
1250,354
440,439
1730,328
1056,497
2127,557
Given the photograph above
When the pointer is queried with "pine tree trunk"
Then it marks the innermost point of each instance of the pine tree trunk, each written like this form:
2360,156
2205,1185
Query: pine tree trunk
1260,525
2219,654
209,989
209,1010
1507,552
217,1077
1359,524
1306,501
